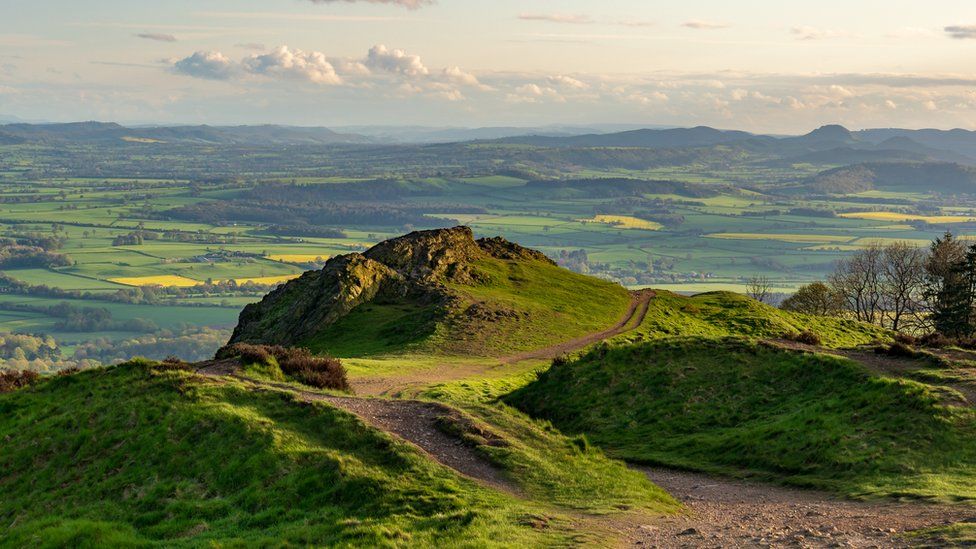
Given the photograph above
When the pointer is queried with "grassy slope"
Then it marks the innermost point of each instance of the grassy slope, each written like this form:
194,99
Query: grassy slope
734,406
551,305
720,314
135,455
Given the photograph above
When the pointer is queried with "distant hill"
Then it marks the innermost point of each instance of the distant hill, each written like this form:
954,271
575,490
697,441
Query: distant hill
107,133
649,138
437,291
958,141
940,177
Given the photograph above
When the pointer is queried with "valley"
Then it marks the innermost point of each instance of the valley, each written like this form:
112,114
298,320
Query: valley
548,349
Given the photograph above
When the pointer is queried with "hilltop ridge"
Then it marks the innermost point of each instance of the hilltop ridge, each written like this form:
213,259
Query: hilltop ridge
432,289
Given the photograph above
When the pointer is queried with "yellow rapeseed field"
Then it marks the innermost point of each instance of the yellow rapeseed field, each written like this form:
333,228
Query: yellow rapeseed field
894,216
161,280
625,222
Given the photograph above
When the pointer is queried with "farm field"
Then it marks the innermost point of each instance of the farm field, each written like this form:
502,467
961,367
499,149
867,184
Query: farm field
203,246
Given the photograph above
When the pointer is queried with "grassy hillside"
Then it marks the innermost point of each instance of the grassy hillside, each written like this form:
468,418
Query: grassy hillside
134,455
739,407
144,454
720,314
434,292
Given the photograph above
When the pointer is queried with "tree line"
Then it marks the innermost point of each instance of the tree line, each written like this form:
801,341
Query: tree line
902,287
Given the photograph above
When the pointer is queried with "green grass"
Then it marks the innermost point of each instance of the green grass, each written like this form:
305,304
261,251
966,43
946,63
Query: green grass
736,407
551,467
555,305
138,456
720,314
541,305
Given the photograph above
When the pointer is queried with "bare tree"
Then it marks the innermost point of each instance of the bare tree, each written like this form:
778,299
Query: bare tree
858,280
902,280
759,288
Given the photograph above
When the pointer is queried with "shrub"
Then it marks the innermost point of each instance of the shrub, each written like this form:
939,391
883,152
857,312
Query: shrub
806,337
896,349
323,372
935,340
11,380
245,352
906,339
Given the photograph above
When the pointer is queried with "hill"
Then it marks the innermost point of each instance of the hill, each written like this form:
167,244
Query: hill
109,133
937,177
727,314
647,138
438,291
743,408
148,454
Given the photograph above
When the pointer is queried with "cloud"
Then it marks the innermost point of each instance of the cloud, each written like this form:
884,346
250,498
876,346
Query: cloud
562,81
566,18
409,4
251,46
814,33
961,32
698,24
395,61
295,64
211,65
457,76
158,37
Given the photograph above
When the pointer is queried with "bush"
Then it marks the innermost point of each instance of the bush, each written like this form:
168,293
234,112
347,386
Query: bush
245,352
936,340
806,337
896,349
906,339
11,380
323,372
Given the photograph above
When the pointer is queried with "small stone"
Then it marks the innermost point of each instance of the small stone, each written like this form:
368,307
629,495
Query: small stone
688,532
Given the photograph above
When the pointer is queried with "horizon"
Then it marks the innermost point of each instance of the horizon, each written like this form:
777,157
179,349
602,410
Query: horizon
324,63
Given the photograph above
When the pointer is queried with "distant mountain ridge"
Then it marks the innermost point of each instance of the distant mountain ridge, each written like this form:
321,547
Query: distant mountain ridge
110,132
830,144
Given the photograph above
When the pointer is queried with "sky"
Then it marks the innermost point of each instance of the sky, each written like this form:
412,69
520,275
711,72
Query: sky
757,65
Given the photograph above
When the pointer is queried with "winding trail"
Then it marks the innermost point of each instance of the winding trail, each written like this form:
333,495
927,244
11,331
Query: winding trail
413,421
413,382
897,366
721,512
738,513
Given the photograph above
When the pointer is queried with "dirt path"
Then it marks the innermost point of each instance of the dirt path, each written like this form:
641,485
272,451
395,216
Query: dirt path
413,382
889,365
633,318
736,513
413,421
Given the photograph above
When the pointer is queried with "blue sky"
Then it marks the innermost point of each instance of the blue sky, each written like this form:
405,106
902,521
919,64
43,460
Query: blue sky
755,64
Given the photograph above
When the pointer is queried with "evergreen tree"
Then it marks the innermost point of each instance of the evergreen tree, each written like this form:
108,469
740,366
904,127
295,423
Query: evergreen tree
950,273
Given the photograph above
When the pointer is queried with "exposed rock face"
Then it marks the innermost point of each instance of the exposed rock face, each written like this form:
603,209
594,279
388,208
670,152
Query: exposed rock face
414,267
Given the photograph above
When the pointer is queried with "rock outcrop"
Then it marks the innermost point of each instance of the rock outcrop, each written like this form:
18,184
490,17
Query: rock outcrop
416,268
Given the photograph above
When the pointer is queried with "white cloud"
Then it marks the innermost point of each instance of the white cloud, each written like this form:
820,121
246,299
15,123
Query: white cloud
699,24
814,33
395,61
296,64
211,65
457,76
409,4
568,18
568,82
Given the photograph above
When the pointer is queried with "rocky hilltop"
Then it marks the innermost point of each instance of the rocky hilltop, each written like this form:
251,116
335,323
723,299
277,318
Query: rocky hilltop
410,289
